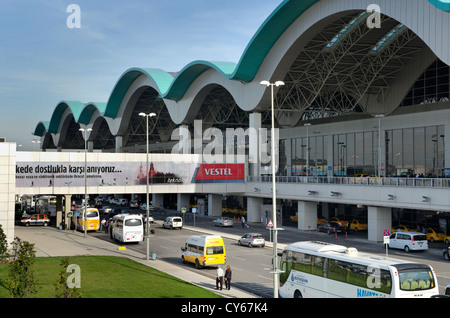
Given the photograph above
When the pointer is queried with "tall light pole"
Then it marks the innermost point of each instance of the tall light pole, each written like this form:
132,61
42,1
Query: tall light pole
147,224
379,116
307,150
85,178
274,191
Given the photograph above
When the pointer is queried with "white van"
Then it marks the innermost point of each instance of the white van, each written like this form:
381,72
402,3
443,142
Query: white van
408,241
173,222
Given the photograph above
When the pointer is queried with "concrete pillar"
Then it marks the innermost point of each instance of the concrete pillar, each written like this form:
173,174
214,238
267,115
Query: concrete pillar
68,203
253,144
254,209
59,210
118,144
446,146
326,210
158,199
307,215
214,205
90,146
379,219
183,201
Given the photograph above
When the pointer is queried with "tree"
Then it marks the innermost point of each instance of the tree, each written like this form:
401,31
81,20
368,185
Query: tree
21,282
62,287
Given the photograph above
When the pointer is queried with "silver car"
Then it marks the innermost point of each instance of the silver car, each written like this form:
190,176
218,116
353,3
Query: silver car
223,221
252,239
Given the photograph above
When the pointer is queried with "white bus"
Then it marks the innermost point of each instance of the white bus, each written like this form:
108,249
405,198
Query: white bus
323,270
127,228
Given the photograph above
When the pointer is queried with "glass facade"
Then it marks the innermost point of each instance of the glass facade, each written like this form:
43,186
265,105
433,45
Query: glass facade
317,156
415,151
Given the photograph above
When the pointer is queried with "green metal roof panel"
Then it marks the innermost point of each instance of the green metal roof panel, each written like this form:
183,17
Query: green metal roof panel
162,79
443,5
75,107
41,128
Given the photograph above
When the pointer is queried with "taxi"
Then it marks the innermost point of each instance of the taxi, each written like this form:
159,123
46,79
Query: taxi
433,235
355,225
400,228
335,219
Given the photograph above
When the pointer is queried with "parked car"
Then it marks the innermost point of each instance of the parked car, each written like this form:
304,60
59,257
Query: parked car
252,239
173,222
107,209
35,219
435,235
223,221
150,217
408,241
355,225
446,253
335,219
134,204
329,227
400,228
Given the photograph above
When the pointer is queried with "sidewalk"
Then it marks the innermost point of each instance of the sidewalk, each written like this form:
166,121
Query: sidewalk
51,242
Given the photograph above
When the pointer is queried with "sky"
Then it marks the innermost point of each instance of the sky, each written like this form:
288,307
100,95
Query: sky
45,57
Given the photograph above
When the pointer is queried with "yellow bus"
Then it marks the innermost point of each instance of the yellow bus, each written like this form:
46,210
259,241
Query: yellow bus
92,218
204,251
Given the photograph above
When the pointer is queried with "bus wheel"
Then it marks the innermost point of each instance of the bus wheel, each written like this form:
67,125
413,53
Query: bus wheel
298,294
197,264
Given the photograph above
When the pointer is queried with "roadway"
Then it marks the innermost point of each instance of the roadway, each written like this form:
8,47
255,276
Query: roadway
251,266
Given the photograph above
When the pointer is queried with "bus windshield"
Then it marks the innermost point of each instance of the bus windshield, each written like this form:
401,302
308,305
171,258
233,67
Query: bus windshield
416,279
133,222
91,214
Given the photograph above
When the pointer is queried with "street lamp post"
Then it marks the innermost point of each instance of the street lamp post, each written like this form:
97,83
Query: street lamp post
85,178
274,191
379,145
307,150
147,225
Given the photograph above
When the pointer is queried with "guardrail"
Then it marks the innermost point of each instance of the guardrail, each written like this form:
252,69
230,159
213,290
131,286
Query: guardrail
369,181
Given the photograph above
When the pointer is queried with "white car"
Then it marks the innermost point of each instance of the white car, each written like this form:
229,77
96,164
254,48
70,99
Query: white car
173,222
223,221
252,239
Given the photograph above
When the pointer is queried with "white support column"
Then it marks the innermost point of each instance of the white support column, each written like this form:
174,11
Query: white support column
253,144
254,209
158,199
307,215
379,219
119,144
214,205
7,188
67,208
182,201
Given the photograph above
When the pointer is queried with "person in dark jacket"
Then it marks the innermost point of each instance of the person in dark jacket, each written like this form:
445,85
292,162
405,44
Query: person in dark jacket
228,277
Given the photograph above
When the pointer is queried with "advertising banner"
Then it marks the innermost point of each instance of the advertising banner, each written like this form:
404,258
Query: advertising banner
71,174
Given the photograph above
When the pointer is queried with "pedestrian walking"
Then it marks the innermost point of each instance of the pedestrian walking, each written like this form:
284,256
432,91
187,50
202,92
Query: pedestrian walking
103,224
243,221
219,279
228,277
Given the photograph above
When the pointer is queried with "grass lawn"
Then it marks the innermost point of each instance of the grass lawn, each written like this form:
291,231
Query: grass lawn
110,277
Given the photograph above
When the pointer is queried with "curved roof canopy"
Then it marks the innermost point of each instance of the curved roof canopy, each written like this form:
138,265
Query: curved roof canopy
172,88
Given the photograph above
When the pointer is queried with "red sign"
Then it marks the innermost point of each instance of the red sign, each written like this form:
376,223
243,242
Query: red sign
220,172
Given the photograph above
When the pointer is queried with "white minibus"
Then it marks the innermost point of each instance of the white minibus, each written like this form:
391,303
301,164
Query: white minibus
322,270
127,228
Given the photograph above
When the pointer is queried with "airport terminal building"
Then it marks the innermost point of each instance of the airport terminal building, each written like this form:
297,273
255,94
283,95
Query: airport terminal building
363,119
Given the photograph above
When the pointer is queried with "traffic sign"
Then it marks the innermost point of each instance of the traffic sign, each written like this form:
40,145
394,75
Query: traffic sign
270,224
183,210
386,232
